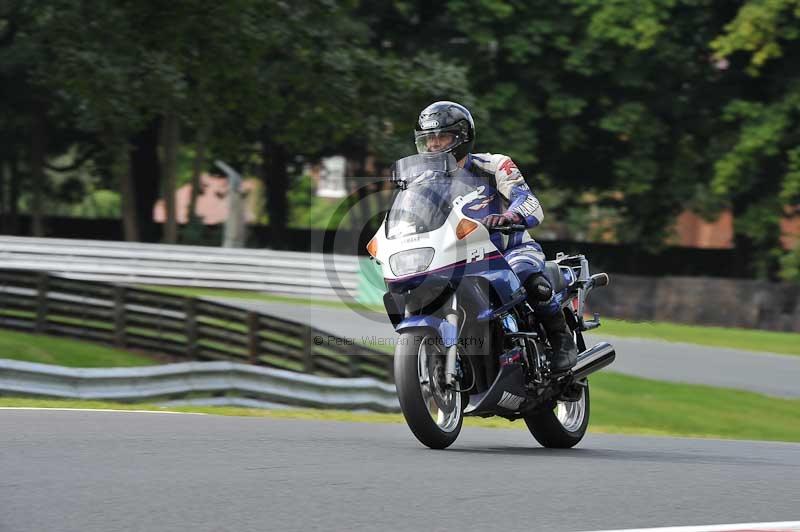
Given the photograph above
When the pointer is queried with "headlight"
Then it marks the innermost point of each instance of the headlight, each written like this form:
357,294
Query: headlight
411,261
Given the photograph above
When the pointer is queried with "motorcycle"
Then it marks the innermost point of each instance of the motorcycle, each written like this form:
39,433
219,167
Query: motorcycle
469,343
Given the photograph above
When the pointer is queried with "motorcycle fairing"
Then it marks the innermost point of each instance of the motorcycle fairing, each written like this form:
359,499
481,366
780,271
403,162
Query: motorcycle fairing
474,256
506,394
504,284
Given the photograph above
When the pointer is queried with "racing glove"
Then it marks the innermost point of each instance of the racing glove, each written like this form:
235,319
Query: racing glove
498,220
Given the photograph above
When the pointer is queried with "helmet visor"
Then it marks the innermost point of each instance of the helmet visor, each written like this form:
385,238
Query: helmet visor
436,141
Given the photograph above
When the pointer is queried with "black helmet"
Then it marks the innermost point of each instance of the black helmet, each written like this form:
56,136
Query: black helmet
445,126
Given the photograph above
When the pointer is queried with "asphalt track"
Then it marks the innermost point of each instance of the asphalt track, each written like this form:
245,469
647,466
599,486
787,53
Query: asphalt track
766,373
118,471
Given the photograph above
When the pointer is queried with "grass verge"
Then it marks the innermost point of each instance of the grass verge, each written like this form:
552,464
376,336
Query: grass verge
746,339
66,352
620,405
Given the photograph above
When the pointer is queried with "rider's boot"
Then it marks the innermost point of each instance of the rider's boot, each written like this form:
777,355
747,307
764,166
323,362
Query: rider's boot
565,352
547,309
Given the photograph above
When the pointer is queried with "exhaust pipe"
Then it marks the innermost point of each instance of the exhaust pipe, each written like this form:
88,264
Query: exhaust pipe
593,359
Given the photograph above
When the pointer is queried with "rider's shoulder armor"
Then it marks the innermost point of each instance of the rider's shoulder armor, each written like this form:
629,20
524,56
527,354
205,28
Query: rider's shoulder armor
497,169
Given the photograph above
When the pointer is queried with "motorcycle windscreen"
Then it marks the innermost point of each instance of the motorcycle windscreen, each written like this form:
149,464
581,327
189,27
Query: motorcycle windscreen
427,200
409,168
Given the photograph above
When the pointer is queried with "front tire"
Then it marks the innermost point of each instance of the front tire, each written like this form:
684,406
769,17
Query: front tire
563,426
433,413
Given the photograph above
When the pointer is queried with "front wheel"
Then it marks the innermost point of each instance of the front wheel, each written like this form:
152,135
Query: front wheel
563,426
433,413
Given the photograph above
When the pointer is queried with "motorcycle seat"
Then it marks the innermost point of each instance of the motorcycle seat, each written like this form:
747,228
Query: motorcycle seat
555,276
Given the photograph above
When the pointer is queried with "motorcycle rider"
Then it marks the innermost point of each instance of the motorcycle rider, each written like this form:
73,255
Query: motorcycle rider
446,126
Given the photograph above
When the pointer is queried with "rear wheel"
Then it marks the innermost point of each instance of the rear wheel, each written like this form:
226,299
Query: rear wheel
563,426
433,413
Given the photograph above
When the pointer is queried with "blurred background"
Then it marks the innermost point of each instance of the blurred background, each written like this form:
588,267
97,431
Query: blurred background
662,138
652,127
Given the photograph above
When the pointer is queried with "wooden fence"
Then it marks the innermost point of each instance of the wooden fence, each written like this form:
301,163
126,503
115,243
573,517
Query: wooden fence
183,327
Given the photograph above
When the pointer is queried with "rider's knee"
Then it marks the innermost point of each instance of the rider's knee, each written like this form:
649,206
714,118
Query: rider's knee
538,288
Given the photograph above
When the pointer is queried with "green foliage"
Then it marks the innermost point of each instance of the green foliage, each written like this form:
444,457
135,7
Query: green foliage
629,23
760,170
649,106
760,28
790,265
302,196
790,194
762,130
98,204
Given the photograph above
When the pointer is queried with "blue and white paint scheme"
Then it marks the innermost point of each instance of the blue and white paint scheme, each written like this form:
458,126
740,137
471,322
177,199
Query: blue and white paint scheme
432,238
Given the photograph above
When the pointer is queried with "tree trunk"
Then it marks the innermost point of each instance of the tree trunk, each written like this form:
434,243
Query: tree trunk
37,162
276,182
13,195
123,172
146,173
170,132
197,171
3,173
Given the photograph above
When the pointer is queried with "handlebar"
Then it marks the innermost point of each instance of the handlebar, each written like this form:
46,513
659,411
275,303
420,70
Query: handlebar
599,280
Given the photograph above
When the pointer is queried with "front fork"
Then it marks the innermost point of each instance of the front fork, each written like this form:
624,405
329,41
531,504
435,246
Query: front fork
450,363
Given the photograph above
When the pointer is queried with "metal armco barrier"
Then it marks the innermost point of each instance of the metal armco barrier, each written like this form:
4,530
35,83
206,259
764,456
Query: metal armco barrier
183,328
282,272
248,384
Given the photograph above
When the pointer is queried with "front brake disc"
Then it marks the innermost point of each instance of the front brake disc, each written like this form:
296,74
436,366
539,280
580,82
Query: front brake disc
444,398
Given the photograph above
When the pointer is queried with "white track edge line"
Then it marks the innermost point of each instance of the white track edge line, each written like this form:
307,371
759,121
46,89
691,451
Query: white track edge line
788,526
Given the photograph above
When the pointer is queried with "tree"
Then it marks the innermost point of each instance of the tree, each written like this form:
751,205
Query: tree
129,73
325,90
758,172
594,96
